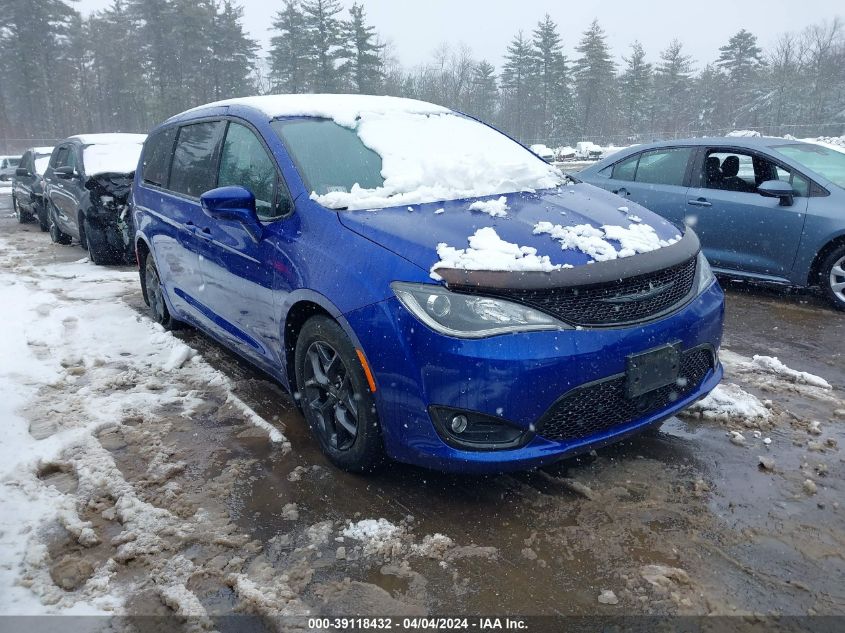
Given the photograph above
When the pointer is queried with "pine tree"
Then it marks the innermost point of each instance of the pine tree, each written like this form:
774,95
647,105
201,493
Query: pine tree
363,65
233,53
672,90
636,83
485,93
594,81
325,43
741,60
518,86
290,61
552,78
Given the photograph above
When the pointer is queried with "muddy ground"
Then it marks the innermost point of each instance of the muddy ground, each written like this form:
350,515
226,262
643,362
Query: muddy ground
684,521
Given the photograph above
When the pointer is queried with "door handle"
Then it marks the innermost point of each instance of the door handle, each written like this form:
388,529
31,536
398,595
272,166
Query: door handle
700,202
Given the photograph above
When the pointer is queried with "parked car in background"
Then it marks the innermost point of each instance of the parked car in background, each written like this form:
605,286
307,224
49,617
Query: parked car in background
8,164
439,294
764,208
544,152
28,186
86,191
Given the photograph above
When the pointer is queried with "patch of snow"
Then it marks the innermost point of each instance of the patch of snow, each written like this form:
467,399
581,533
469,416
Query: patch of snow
744,134
638,238
730,402
113,155
771,365
495,208
439,211
487,251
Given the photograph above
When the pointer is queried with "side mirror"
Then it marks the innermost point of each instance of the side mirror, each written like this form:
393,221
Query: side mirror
66,172
236,204
777,189
22,172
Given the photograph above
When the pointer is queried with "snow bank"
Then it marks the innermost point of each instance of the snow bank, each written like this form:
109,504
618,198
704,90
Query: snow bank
595,242
487,251
744,134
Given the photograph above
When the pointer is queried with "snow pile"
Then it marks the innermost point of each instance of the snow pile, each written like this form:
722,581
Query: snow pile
771,365
378,536
487,251
638,238
431,157
831,142
744,134
730,402
497,208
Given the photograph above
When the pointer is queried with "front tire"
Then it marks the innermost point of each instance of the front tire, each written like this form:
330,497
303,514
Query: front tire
336,399
833,277
97,243
22,216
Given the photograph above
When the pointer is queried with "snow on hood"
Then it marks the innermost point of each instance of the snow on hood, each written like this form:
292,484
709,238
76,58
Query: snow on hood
111,153
450,235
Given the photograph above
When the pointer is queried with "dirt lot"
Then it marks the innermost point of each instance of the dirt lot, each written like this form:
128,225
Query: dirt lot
690,520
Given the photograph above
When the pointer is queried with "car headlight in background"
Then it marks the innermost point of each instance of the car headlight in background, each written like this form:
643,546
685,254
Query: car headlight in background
470,316
705,273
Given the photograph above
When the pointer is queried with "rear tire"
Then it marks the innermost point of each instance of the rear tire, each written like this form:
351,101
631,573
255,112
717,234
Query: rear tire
336,398
833,277
56,234
155,296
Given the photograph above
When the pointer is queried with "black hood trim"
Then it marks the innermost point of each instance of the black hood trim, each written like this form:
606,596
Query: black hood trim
587,275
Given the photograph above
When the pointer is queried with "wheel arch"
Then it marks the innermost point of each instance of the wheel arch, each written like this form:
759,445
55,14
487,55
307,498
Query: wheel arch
299,307
814,277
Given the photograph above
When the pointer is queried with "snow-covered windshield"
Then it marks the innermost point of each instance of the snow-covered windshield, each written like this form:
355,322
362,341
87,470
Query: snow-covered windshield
397,158
118,158
40,162
822,160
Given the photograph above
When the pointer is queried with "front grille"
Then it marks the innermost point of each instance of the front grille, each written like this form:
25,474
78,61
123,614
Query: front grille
612,303
601,405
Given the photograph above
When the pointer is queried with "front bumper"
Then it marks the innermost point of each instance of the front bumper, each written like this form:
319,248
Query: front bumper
517,377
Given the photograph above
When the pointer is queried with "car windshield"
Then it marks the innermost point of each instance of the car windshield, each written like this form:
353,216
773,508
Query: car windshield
403,158
827,162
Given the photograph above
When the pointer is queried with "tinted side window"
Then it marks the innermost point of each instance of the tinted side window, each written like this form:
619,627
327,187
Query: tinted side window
664,166
157,152
60,157
625,170
245,162
193,171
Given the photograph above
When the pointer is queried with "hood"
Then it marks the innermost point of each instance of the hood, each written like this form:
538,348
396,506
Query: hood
113,184
540,221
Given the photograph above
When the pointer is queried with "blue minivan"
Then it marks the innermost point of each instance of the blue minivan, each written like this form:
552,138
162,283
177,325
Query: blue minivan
768,209
427,288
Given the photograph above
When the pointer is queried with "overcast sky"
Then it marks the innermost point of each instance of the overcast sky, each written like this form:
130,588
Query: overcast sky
416,27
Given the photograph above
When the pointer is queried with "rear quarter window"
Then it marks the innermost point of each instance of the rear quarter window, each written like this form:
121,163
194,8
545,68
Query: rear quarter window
157,153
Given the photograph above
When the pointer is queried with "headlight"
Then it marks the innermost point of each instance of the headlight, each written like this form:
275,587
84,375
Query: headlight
705,273
469,316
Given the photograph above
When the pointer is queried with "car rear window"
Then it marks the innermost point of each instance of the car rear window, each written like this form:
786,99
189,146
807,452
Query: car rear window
194,170
157,152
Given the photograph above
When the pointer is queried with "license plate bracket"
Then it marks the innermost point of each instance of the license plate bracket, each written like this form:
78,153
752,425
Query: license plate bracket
652,370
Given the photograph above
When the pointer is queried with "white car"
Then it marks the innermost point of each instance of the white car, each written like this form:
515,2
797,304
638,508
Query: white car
8,164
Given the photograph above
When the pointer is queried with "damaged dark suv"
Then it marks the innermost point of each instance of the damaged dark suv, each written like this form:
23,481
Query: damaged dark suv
86,192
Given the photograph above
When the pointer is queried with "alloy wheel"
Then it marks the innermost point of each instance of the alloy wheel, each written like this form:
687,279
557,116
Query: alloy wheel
837,278
329,393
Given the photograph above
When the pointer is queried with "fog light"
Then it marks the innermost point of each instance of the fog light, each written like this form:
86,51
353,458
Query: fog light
459,423
477,431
